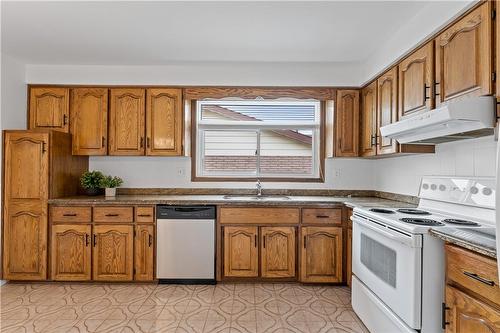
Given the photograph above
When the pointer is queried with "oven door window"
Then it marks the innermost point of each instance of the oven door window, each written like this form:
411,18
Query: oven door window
379,259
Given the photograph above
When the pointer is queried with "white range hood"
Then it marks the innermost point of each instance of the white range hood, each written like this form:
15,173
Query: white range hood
469,118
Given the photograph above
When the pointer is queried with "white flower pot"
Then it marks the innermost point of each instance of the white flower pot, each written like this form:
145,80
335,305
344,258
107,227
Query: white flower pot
110,192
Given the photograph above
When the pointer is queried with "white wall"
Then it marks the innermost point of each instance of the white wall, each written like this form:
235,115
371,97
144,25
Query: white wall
13,93
476,157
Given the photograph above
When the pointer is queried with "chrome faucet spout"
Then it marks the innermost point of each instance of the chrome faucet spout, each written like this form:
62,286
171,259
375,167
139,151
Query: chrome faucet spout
258,185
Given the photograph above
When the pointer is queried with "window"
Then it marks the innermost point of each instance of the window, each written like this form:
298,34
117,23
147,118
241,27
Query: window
257,139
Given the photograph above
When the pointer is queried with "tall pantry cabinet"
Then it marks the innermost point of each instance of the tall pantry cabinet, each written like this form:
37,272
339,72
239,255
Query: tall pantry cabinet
38,165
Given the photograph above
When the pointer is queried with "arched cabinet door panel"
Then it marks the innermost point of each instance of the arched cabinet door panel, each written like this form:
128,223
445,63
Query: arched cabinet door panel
321,259
49,108
277,252
368,123
387,110
71,252
347,123
144,252
241,252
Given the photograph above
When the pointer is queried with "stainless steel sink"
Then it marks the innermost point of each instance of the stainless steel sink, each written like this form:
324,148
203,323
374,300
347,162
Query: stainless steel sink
255,197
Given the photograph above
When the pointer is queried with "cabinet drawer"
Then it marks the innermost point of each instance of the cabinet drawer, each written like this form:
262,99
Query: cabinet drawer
259,215
71,214
473,271
322,215
144,214
114,214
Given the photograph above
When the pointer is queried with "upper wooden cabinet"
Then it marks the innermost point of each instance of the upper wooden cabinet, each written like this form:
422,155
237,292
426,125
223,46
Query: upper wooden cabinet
464,60
347,123
387,110
49,108
321,259
89,120
416,81
277,252
164,120
240,252
368,124
126,122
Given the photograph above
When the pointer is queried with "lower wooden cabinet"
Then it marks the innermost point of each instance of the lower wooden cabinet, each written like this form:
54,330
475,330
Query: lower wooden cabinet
71,252
113,252
321,254
466,314
240,252
144,252
277,252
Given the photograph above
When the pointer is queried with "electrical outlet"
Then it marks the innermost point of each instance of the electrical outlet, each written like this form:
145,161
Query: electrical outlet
337,172
181,171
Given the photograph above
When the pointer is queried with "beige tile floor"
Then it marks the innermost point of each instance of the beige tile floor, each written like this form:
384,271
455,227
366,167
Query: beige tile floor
127,308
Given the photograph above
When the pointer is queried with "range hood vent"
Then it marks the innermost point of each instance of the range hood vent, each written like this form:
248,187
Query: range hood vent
466,119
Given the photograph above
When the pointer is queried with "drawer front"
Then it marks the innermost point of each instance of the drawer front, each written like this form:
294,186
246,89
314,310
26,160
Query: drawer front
114,214
259,215
71,214
322,215
473,271
144,214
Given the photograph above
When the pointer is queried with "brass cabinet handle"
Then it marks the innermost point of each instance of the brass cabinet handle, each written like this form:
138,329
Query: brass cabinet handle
322,216
443,316
103,142
426,97
113,215
304,242
144,215
68,214
436,88
255,240
264,242
142,142
150,240
87,240
148,142
95,240
480,279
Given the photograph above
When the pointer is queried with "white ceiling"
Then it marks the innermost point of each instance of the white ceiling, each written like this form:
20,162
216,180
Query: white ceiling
157,33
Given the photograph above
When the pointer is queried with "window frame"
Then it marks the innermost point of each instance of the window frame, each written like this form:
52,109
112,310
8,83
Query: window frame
197,145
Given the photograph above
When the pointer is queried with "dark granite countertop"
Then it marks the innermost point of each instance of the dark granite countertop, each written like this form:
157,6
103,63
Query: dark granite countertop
468,240
220,200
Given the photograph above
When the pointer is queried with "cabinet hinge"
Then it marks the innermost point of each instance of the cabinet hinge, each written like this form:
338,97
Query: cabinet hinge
493,76
493,14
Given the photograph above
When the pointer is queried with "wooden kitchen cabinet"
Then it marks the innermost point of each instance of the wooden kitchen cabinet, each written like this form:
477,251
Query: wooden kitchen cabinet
89,120
321,254
25,240
416,81
277,252
126,121
464,59
71,252
49,108
368,122
465,314
348,255
347,123
164,120
387,110
144,253
241,252
113,252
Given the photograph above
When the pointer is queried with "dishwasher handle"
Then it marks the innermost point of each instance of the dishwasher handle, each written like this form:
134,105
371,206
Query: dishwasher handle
185,212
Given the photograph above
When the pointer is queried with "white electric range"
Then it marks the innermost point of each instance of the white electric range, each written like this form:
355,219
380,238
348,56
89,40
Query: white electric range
399,268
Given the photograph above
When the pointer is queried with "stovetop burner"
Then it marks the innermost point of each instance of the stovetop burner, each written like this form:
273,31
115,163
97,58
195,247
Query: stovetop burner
413,211
381,210
461,222
418,221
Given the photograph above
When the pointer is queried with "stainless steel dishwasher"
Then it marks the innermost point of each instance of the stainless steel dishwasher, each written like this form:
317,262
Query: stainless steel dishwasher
185,251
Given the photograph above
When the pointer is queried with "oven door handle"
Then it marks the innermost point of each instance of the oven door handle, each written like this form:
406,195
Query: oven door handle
408,240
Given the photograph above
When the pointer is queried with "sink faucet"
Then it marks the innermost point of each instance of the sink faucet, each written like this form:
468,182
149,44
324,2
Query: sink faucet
258,185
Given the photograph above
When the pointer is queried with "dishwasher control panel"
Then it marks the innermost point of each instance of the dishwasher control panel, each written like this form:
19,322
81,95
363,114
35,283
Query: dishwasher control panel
185,212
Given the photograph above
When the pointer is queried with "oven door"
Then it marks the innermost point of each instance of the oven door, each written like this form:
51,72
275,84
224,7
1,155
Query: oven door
389,263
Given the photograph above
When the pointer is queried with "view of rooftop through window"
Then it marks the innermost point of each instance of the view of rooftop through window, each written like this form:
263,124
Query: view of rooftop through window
258,138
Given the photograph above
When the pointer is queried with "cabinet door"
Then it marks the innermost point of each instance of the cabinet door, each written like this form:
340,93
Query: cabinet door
144,251
89,120
387,111
164,122
71,252
464,57
113,252
277,252
240,252
347,123
321,258
126,122
25,240
49,108
348,257
368,146
466,314
416,81
26,163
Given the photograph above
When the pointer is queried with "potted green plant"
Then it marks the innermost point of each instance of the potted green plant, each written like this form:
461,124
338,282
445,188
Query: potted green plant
110,183
91,182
